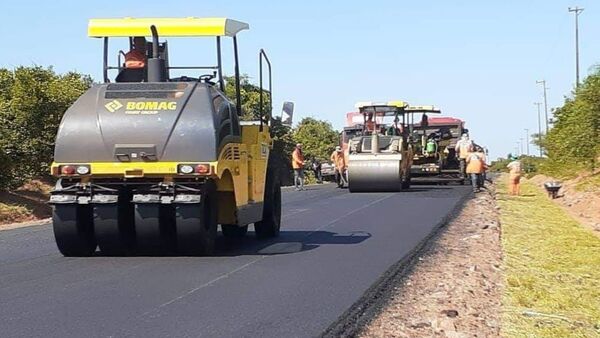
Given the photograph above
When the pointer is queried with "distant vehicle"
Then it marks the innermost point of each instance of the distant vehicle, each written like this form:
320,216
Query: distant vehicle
435,156
327,170
380,151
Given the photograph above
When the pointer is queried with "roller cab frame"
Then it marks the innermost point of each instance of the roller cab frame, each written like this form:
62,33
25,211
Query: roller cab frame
152,163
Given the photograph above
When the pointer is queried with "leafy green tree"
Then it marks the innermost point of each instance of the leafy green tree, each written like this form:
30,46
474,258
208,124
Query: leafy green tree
574,141
317,137
32,103
250,95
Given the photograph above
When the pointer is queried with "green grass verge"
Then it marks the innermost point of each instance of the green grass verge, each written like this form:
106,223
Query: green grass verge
552,267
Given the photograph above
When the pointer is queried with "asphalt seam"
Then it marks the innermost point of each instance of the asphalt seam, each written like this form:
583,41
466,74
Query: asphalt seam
353,321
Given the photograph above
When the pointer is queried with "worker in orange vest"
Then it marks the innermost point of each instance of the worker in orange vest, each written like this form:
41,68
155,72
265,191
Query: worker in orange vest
298,165
136,57
370,124
476,167
514,177
339,163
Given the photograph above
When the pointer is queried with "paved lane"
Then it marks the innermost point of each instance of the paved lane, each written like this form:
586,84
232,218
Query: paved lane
333,246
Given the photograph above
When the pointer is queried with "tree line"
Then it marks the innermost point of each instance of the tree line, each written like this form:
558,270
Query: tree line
34,99
573,143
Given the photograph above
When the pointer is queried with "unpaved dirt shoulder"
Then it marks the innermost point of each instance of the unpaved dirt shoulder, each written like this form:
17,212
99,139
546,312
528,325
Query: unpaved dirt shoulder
584,206
455,287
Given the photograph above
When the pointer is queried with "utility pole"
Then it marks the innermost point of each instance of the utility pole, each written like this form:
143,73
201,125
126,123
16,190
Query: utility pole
577,11
522,147
538,104
543,83
527,139
518,147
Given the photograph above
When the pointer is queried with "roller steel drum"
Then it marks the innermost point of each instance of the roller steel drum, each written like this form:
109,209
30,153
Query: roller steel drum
374,172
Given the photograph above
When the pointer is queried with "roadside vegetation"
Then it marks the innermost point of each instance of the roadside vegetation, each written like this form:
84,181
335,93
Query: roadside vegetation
34,99
572,145
551,265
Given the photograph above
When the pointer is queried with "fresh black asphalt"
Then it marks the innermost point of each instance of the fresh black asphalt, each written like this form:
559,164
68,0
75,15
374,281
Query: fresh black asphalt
332,247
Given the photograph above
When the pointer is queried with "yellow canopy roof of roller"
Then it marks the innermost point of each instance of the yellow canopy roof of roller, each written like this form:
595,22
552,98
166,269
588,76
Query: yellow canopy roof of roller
174,27
397,104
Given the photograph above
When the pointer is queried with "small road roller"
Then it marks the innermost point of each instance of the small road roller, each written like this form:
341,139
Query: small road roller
380,156
151,163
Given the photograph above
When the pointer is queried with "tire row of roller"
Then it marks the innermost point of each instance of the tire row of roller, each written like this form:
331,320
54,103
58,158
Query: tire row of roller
126,228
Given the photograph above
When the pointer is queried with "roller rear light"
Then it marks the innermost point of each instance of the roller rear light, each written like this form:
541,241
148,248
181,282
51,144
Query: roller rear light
194,169
74,170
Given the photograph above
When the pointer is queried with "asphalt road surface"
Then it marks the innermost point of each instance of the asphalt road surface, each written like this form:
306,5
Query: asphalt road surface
332,247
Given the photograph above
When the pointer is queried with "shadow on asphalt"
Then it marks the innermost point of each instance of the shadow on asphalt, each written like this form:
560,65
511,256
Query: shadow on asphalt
288,242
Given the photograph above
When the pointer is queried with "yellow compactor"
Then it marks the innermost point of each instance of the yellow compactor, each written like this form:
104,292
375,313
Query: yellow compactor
151,162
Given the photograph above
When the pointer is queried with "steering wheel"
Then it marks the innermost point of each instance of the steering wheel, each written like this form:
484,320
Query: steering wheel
206,77
184,79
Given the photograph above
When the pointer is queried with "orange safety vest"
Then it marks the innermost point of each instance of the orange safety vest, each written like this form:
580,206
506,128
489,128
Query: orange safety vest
338,160
297,159
475,163
135,59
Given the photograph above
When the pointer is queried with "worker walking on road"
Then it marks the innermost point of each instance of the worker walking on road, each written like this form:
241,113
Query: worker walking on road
514,177
463,147
316,167
476,167
339,162
298,165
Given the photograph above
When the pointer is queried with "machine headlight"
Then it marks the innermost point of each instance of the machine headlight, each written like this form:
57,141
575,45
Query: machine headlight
83,170
186,169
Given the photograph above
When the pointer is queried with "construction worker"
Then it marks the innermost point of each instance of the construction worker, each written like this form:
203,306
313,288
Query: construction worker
298,165
370,124
463,147
316,167
476,167
136,57
514,176
339,162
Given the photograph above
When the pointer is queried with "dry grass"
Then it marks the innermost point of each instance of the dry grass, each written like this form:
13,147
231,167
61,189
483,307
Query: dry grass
552,267
590,183
28,203
12,213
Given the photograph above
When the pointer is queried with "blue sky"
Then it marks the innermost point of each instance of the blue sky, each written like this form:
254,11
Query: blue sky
478,60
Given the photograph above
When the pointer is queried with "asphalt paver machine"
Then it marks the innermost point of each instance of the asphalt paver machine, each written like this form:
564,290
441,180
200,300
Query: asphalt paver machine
148,163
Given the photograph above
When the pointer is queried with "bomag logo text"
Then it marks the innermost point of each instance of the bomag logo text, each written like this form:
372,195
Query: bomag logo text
149,107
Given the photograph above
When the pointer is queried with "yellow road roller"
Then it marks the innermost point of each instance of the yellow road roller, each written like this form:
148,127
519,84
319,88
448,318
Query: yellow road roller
381,154
151,163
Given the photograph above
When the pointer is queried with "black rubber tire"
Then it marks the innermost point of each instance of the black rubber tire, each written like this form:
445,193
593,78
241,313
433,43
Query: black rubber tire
196,224
271,223
73,227
154,231
234,230
114,227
